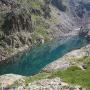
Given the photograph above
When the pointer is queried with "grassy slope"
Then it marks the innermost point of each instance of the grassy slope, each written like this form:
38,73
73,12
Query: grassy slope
78,77
72,75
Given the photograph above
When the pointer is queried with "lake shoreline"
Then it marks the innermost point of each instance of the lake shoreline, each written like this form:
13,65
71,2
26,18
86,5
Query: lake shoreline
5,59
79,53
67,60
32,61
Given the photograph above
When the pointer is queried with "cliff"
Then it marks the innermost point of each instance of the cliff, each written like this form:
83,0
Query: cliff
30,22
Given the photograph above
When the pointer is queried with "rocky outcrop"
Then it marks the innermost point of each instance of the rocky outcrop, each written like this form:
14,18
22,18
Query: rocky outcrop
19,21
15,81
52,84
59,4
9,2
8,79
16,21
70,59
17,29
80,10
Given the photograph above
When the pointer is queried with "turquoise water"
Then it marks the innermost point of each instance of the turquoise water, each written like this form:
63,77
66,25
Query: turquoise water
35,59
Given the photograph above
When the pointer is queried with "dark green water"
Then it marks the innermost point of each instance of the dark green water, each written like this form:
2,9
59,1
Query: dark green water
35,59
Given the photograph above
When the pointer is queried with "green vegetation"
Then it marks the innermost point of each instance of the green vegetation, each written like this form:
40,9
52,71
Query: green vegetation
75,76
72,75
32,3
41,75
30,12
9,50
41,27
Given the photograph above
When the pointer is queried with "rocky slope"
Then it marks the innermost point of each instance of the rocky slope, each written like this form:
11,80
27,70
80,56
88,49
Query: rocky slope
20,25
47,80
18,82
70,59
25,23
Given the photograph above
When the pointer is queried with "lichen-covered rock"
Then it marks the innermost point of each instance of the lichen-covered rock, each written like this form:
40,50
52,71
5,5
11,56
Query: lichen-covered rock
52,84
11,81
16,21
8,79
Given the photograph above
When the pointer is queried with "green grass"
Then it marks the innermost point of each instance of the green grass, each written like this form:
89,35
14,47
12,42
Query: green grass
76,76
39,76
40,28
32,3
41,31
73,75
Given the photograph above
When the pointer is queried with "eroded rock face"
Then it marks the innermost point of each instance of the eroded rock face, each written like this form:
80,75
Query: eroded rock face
59,4
18,18
16,26
80,9
78,14
17,21
9,79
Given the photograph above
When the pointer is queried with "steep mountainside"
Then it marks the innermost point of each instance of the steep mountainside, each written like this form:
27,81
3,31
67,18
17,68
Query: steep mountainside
24,23
79,9
27,23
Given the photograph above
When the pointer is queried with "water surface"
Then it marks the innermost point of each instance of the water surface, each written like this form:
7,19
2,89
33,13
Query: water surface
35,59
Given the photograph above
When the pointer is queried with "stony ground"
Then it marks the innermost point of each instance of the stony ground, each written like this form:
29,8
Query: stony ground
45,83
69,59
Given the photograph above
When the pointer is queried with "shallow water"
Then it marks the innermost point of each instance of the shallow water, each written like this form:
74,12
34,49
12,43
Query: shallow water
35,59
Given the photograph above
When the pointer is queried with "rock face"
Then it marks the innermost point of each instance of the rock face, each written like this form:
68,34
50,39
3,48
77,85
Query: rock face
69,60
59,4
17,29
77,9
26,22
74,15
17,21
81,10
6,80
